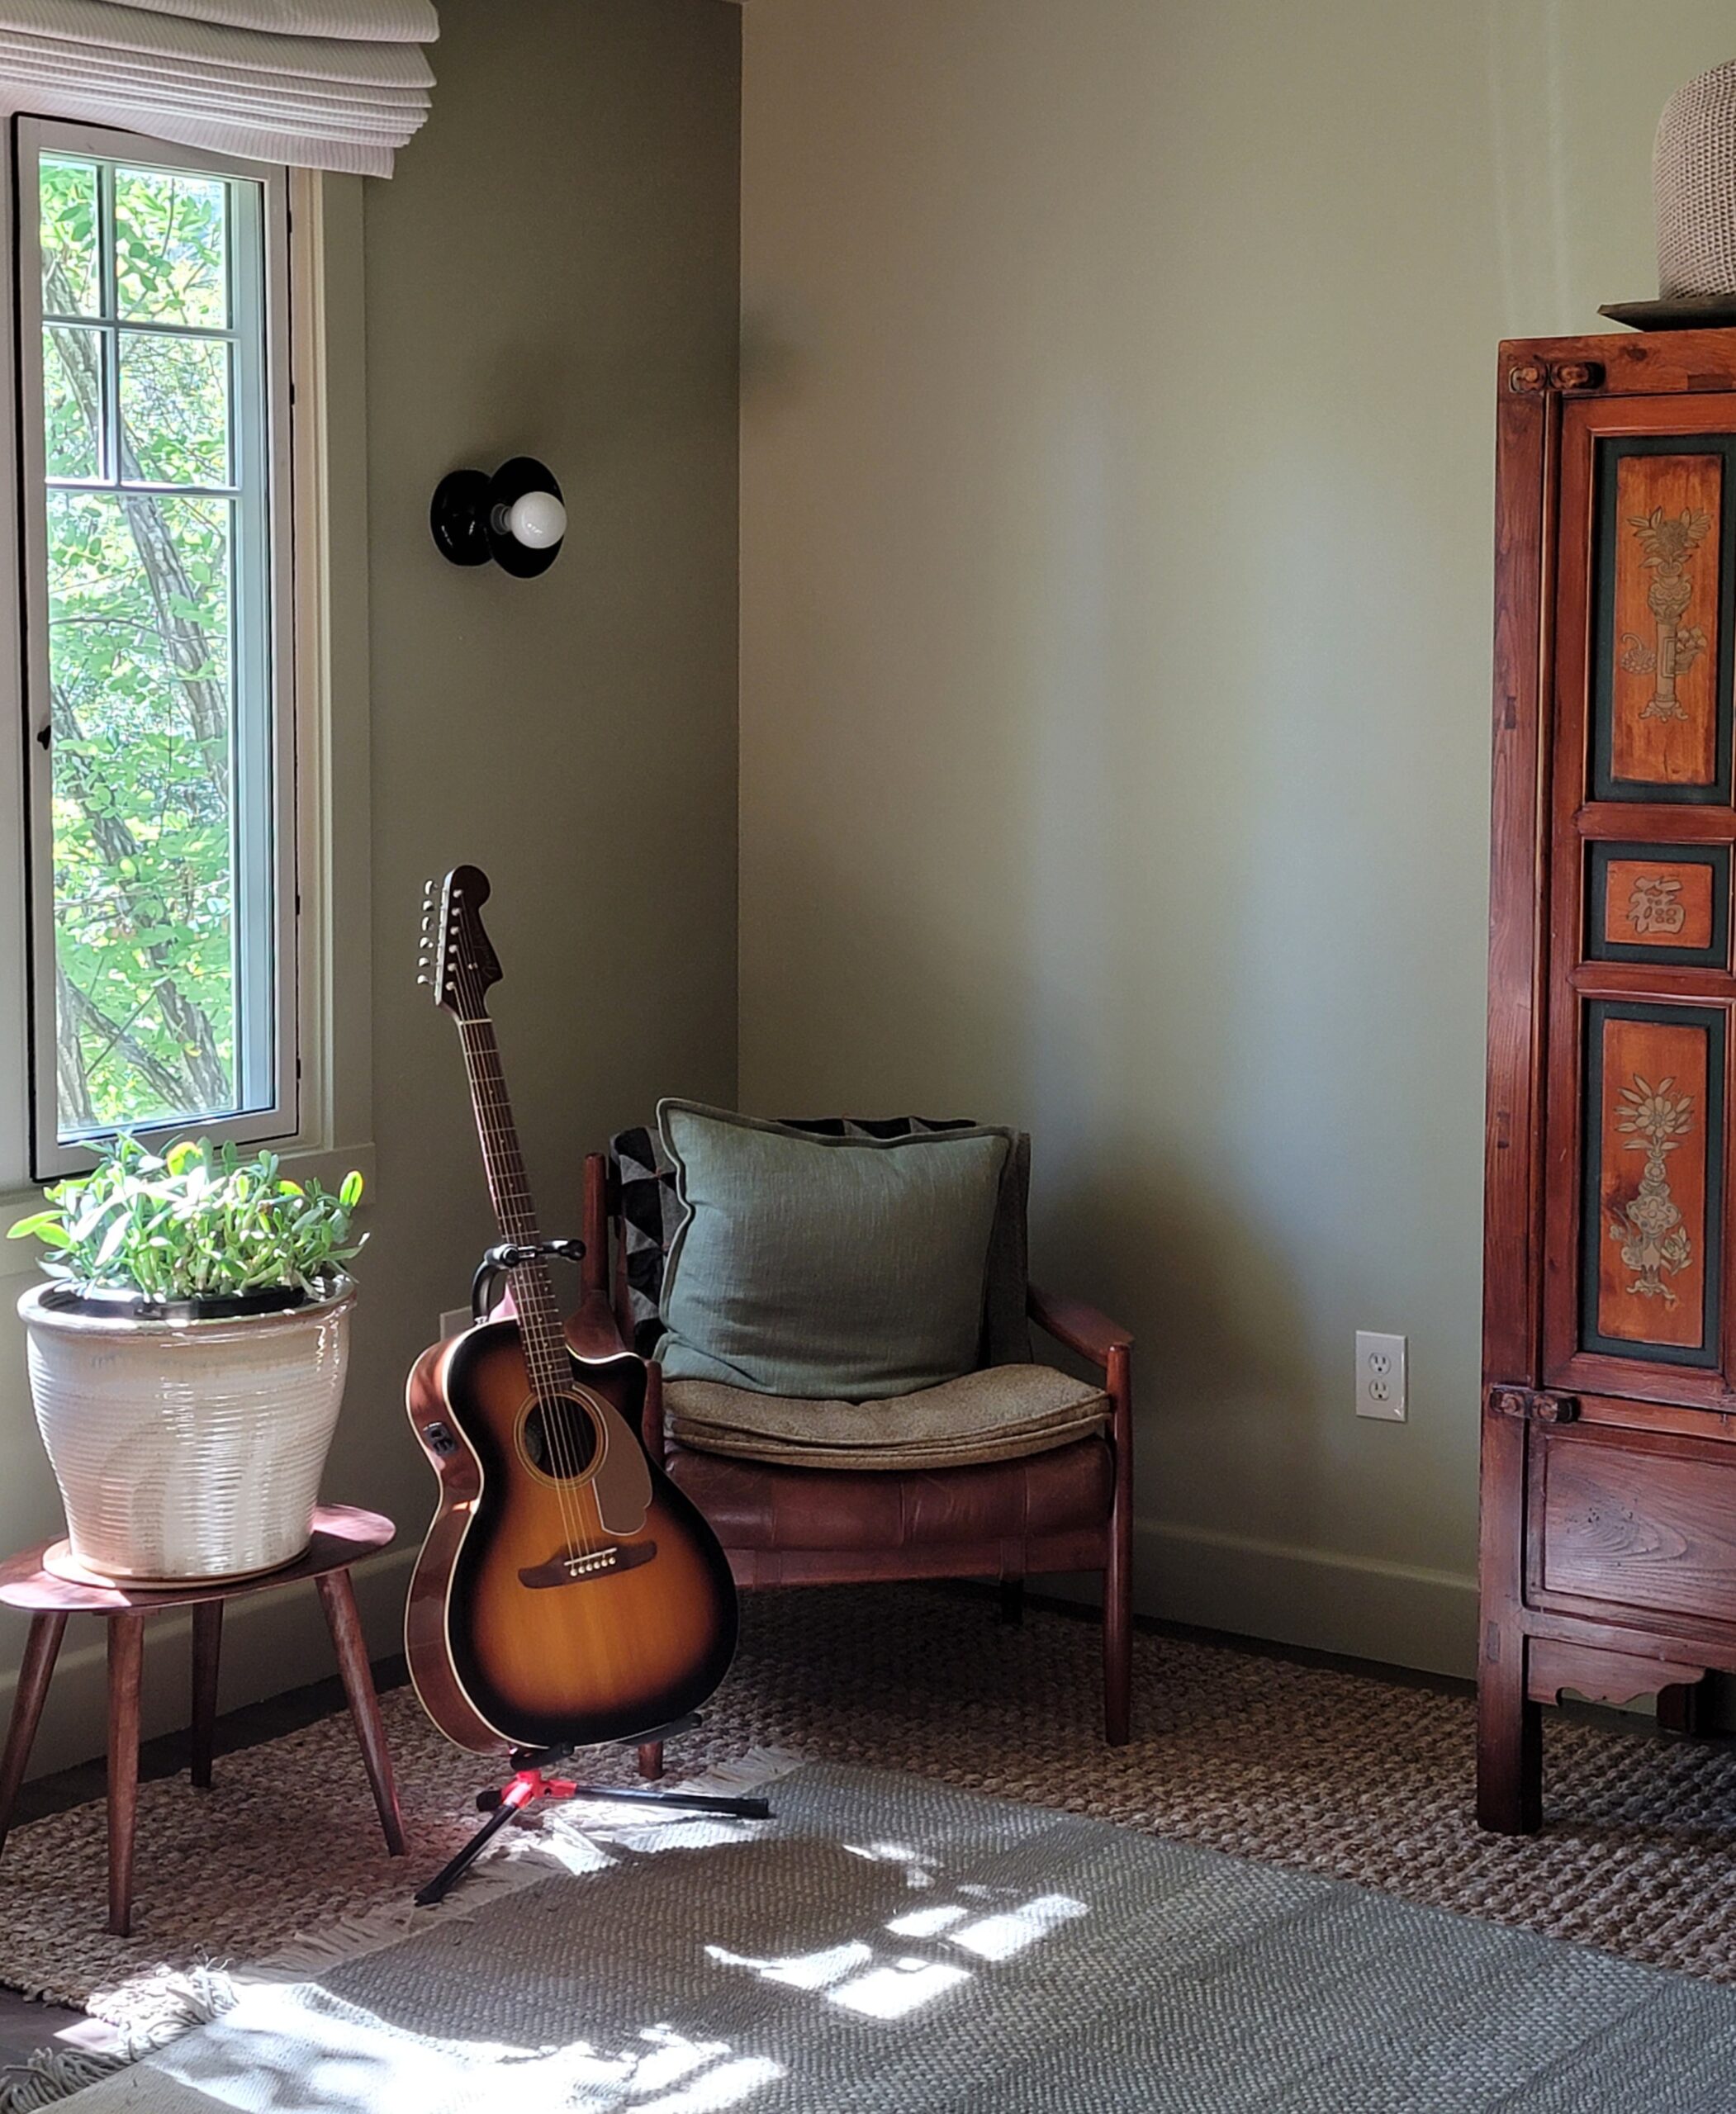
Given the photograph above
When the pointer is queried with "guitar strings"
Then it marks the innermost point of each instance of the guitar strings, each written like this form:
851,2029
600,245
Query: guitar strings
510,1190
535,1297
549,1363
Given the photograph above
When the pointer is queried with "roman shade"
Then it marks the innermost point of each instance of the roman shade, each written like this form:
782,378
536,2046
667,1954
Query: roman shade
332,84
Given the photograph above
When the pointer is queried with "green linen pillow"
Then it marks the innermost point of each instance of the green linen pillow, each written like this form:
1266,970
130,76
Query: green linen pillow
837,1268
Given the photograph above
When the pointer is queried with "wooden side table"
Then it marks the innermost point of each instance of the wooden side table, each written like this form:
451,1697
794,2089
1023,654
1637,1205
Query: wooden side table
342,1536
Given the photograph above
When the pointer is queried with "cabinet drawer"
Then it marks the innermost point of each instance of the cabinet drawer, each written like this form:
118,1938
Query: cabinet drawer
1635,1526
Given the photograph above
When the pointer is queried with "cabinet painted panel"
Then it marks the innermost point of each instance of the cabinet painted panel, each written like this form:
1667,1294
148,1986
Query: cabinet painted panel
1663,903
1662,619
1653,1151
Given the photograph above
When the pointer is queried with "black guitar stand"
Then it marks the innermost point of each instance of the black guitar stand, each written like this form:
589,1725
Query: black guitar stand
503,1258
530,1783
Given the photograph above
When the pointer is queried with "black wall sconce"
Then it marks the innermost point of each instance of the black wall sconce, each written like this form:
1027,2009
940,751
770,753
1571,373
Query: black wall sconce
515,517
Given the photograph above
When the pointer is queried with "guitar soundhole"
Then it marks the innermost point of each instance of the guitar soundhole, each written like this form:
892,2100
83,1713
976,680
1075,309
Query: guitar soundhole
558,1438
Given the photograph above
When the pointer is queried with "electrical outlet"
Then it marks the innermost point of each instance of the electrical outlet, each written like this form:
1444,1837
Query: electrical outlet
1380,1375
454,1321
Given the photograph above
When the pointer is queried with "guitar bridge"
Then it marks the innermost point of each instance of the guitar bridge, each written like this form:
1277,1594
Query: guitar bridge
572,1567
587,1566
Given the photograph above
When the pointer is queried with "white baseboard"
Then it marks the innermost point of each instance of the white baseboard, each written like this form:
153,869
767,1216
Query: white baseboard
1402,1614
272,1641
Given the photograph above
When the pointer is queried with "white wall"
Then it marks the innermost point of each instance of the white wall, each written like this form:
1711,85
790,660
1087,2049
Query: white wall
1116,521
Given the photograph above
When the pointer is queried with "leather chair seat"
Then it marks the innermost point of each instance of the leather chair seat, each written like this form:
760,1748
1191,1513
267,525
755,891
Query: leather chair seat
1012,1517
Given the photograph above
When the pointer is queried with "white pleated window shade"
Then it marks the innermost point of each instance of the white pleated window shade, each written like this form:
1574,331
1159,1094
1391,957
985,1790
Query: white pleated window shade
335,84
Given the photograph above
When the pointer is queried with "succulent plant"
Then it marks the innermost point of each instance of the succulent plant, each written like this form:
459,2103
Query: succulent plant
194,1221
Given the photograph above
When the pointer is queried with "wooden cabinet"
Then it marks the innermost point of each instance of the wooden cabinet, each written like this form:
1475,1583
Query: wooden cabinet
1609,1435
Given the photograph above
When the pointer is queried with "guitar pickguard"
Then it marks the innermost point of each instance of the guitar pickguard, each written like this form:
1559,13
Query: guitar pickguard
614,1491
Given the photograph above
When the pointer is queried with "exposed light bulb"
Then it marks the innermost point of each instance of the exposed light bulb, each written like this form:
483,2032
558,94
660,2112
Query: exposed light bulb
537,520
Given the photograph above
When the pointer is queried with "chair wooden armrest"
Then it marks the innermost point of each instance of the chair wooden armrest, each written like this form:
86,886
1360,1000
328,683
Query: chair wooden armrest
1081,1328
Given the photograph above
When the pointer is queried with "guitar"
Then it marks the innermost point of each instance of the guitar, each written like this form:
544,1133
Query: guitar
568,1593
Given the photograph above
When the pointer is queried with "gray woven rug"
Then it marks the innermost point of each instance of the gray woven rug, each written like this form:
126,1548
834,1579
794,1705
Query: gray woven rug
887,1945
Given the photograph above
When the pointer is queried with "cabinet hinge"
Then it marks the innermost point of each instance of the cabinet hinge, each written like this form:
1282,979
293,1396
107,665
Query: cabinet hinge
1532,377
1533,1404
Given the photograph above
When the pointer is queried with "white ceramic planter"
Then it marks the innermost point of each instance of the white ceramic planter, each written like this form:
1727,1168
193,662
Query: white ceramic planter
188,1450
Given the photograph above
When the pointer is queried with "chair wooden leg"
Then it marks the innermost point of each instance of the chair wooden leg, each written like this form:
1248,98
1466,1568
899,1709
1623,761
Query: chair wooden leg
207,1654
1117,1659
342,1618
1012,1601
650,1758
41,1650
1118,1572
125,1664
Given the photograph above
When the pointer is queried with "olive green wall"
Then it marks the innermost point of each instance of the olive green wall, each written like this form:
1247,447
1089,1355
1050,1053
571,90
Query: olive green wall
552,270
1115,522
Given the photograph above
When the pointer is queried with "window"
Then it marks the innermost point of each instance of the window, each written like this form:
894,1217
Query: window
154,430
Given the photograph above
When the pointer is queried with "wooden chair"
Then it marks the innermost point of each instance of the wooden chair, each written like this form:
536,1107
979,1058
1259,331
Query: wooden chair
1068,1509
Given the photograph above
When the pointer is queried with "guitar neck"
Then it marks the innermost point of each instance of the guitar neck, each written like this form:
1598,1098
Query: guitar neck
533,1288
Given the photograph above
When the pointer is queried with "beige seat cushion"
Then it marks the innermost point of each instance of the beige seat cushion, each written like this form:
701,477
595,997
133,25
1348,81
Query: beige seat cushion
996,1414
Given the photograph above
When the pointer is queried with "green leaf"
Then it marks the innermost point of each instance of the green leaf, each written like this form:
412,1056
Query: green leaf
197,1220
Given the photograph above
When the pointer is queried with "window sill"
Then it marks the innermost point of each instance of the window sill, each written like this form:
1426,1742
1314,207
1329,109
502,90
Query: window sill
23,1259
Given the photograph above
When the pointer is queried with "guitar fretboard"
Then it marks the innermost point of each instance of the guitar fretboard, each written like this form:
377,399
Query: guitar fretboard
533,1288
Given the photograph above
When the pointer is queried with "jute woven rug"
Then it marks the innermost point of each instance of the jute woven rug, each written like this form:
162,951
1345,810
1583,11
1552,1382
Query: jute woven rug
889,1945
1329,1772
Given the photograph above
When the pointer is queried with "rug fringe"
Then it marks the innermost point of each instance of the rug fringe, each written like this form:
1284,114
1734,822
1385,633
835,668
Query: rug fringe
174,2004
53,2074
758,1767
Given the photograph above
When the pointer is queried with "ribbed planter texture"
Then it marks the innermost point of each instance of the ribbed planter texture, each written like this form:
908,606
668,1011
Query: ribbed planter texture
188,1449
1694,185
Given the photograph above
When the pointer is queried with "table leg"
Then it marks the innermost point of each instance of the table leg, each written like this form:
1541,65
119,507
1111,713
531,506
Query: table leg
207,1654
126,1663
41,1650
338,1601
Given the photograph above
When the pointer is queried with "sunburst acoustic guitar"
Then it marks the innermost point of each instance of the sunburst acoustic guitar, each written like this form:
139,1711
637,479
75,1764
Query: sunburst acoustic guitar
568,1593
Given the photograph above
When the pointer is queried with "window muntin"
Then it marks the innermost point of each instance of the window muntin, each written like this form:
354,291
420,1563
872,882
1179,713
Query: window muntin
154,426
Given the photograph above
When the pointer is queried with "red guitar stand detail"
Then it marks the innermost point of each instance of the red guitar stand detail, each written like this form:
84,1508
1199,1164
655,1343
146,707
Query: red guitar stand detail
530,1783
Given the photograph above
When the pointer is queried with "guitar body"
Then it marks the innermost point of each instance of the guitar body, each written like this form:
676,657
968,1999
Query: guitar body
568,1593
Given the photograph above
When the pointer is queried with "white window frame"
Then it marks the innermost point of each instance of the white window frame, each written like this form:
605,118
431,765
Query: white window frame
271,1078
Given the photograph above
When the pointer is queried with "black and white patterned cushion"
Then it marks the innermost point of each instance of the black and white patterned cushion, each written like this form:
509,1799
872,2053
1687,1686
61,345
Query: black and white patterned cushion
651,1212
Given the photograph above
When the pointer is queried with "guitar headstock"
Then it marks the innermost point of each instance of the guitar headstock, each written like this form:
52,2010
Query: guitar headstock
458,958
